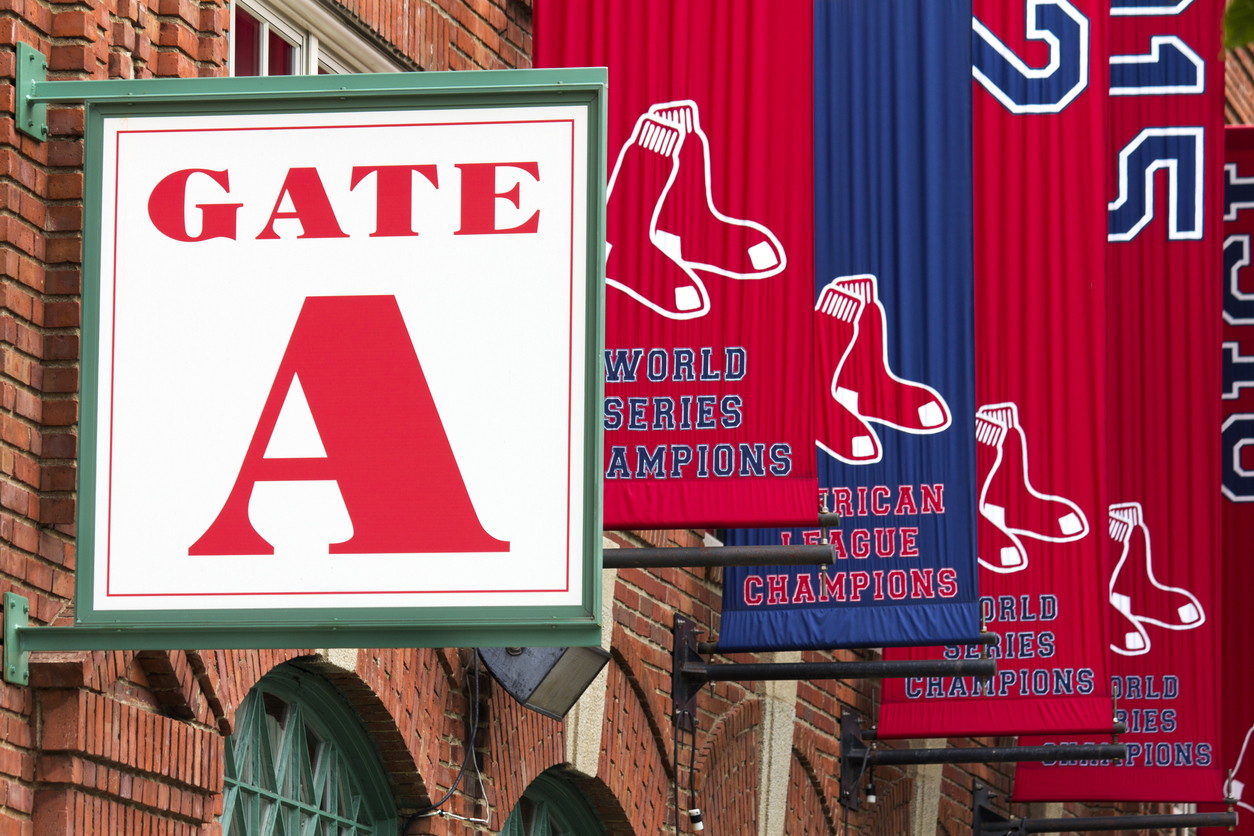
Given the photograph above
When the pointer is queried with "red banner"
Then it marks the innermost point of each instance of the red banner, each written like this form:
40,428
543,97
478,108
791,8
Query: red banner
1040,252
1236,465
1162,577
709,300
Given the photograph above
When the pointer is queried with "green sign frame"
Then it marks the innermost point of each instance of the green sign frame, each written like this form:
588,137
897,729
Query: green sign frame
318,627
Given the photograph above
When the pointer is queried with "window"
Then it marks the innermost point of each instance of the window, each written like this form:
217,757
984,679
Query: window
299,37
300,763
553,806
265,45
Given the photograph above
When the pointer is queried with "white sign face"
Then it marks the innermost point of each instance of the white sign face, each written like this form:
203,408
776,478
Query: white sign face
342,360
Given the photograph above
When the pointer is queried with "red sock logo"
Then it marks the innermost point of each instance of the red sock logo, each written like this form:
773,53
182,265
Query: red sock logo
1007,496
866,384
838,431
384,441
663,225
642,178
1134,590
856,385
998,549
691,229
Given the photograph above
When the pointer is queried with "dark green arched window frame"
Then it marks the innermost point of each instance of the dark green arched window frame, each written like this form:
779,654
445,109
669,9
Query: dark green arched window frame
553,806
301,763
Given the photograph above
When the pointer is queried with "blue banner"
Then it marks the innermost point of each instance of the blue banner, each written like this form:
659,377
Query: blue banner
894,344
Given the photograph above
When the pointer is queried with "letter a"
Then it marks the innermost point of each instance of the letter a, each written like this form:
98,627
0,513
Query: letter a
384,440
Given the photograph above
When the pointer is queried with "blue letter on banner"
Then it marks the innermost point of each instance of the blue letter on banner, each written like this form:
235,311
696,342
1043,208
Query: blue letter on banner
1024,89
1238,306
1170,67
1181,151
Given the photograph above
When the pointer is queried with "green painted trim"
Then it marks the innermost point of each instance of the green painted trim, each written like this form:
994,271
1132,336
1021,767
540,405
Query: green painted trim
312,631
567,801
332,715
30,69
349,87
338,627
350,753
33,91
16,662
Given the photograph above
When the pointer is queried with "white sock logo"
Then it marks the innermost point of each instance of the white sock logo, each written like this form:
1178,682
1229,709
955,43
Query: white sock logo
1134,590
663,172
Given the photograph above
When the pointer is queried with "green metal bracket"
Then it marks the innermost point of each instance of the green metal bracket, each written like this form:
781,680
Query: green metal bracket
33,91
32,117
16,616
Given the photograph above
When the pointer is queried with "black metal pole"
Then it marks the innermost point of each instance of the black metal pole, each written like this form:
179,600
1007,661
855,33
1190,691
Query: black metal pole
820,520
987,639
994,754
1116,728
1149,822
769,671
680,558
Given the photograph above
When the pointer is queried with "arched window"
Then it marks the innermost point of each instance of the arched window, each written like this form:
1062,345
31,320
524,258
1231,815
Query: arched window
553,806
300,763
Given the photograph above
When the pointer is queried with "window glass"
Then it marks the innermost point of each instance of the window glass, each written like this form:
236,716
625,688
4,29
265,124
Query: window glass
265,43
294,767
295,37
281,57
247,37
553,806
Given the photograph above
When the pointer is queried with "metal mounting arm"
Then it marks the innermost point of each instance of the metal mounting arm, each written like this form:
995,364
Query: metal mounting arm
856,755
1116,729
689,672
984,639
33,90
680,558
987,823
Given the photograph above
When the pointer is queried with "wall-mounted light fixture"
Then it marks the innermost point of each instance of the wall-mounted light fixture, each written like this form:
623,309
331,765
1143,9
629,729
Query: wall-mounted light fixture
549,680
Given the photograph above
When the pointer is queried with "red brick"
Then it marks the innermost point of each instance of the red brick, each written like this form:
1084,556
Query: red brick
175,65
72,58
64,250
65,186
120,66
64,720
66,121
54,812
73,24
64,218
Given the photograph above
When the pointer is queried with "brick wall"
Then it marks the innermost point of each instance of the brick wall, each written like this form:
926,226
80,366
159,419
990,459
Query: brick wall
450,34
1239,87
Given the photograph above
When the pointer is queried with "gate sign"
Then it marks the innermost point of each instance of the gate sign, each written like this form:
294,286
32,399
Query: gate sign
342,364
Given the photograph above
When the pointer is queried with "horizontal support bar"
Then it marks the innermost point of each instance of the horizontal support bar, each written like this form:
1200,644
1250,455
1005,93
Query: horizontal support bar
33,91
80,92
1116,728
771,671
1090,823
118,91
260,636
689,558
988,639
994,754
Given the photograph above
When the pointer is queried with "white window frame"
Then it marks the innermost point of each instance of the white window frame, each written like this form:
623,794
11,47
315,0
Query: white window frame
321,39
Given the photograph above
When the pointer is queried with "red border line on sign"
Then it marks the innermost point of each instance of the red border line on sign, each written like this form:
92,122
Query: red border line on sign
113,360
